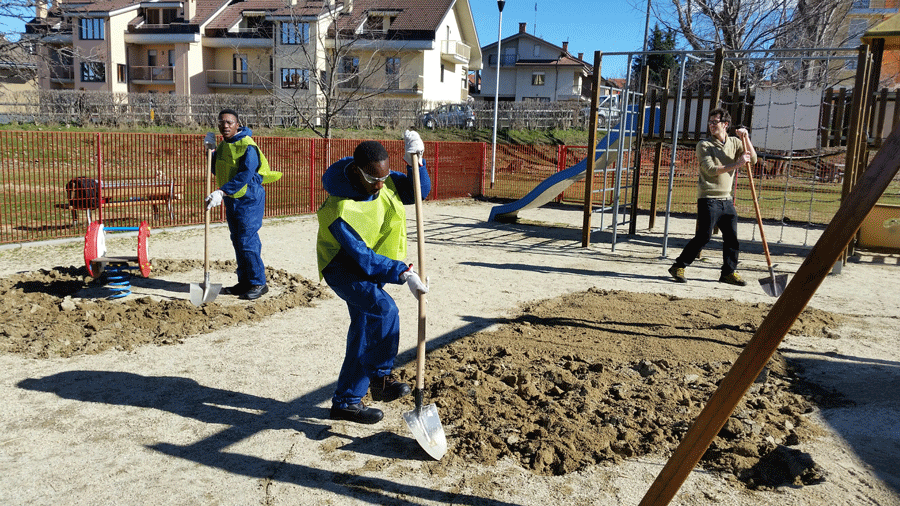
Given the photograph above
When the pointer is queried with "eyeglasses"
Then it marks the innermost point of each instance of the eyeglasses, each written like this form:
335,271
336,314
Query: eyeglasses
372,180
714,121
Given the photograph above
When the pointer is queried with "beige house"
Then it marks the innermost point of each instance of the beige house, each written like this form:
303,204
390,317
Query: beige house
532,69
397,48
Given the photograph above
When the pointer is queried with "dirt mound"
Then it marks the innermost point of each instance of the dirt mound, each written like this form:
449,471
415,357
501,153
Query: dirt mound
601,376
63,312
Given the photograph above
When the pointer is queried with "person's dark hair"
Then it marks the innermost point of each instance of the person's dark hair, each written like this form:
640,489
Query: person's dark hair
722,113
369,152
232,112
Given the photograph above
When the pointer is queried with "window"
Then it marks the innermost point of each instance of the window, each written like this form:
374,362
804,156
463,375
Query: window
294,33
465,79
91,28
239,65
350,65
160,16
442,72
151,57
392,72
860,4
171,57
122,73
537,50
537,79
295,78
93,72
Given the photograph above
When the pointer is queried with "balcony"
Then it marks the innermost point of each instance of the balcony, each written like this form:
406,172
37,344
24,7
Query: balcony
152,75
455,52
405,84
506,60
238,80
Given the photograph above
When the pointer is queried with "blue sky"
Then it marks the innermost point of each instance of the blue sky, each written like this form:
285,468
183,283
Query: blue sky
588,25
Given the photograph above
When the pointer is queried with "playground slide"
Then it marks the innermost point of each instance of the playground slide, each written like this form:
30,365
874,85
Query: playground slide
548,189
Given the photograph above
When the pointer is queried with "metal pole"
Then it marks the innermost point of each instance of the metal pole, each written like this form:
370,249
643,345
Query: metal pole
674,152
500,4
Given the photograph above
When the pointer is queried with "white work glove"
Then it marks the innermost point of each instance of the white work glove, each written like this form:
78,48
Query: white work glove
414,145
214,199
414,282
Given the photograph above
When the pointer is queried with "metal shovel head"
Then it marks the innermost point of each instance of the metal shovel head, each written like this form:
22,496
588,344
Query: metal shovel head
204,292
425,425
774,288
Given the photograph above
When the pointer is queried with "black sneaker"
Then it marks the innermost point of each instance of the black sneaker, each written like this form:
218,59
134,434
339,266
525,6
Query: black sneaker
677,273
255,292
387,389
238,289
358,413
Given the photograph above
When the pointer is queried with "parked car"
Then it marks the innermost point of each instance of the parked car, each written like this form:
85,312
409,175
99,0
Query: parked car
450,115
607,111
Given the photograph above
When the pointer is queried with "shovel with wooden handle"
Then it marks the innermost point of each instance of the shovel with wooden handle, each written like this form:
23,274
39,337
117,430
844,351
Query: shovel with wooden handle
773,285
206,292
423,421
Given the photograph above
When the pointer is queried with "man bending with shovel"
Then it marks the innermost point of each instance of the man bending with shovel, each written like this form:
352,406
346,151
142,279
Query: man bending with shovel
361,246
720,157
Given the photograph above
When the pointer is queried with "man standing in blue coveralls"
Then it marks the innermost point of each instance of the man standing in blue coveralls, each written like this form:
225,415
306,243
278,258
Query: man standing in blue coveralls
361,247
241,169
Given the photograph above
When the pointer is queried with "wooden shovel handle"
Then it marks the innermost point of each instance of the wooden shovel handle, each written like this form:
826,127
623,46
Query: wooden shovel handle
762,233
420,242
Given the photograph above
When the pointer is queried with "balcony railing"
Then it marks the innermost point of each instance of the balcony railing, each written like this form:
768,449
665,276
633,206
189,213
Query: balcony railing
164,75
176,27
238,79
265,31
392,83
506,60
455,50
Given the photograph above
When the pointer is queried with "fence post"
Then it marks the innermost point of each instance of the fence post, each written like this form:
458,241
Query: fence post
312,175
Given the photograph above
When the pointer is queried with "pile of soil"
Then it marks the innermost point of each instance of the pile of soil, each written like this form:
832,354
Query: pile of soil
586,378
604,375
62,312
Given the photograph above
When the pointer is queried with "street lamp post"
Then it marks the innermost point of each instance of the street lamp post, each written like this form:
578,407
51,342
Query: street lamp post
500,4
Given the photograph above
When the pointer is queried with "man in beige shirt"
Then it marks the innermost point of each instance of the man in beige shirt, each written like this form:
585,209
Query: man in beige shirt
720,157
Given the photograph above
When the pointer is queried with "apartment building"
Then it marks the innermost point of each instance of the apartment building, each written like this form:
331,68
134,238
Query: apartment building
396,48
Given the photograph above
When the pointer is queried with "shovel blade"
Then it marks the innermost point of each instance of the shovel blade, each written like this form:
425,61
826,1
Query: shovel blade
201,293
425,425
774,285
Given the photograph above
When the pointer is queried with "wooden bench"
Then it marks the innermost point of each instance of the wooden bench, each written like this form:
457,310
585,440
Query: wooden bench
126,192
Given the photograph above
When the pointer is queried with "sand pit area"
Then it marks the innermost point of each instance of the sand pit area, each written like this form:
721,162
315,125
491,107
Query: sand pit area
560,374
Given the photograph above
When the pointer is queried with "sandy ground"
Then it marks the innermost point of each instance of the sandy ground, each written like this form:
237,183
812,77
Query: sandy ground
235,411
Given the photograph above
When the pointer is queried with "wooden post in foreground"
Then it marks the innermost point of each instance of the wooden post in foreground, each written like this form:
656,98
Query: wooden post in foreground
784,312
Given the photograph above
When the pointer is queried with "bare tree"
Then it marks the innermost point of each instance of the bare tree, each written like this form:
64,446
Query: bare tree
17,53
758,25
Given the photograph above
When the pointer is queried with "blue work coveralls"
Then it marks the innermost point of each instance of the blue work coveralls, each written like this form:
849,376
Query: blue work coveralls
245,213
357,274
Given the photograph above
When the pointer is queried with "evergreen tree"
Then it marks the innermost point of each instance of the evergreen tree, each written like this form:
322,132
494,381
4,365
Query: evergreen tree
660,40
